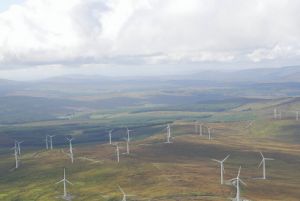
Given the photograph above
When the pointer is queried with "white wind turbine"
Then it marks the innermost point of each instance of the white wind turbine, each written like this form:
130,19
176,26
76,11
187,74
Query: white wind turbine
124,198
128,133
64,180
196,123
200,129
51,140
46,140
169,133
222,167
19,147
209,133
297,112
71,149
109,133
128,140
264,164
117,150
16,154
237,180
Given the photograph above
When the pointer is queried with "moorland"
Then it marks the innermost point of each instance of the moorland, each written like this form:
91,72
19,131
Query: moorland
239,109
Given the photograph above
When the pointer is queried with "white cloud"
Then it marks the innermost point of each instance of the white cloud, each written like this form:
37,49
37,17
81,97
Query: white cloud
148,32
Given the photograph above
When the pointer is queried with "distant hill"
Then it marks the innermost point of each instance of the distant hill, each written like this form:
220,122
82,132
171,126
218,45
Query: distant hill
248,75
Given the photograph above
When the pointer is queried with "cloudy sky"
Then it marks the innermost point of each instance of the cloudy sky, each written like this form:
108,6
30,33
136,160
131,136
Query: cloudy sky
44,38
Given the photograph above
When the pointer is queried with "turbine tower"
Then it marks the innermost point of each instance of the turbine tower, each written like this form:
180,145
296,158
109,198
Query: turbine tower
117,150
64,180
237,180
109,133
196,126
124,198
19,147
16,155
200,129
46,140
275,113
222,167
297,112
51,140
264,163
128,140
71,149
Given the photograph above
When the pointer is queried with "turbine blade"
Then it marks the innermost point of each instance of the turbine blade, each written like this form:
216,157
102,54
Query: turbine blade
261,162
242,182
59,181
69,182
121,188
232,179
269,159
216,160
239,172
225,158
261,154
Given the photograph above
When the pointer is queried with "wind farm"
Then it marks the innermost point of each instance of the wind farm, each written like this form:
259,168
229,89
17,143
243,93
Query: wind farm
164,156
113,100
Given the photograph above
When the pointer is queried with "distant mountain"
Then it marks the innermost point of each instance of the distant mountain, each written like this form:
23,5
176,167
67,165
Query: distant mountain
8,82
248,75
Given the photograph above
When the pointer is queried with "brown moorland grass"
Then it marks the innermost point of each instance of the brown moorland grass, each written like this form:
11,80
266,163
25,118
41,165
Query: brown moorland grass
156,170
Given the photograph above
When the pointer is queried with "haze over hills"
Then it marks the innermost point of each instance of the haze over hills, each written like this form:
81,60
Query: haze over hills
248,74
283,74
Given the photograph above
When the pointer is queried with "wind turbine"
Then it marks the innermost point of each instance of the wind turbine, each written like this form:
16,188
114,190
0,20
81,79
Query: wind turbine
264,163
46,140
209,133
196,126
71,148
128,133
222,167
275,113
297,112
19,147
237,180
200,129
16,154
109,133
169,133
64,180
128,140
51,140
124,198
117,150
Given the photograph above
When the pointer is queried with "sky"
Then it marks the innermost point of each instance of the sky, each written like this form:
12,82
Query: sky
45,38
